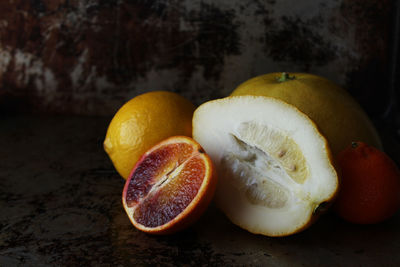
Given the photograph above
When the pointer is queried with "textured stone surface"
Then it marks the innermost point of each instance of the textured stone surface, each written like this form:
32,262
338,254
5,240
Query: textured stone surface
60,202
90,56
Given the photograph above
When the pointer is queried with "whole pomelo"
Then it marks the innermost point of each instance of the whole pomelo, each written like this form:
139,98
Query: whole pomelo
144,121
338,116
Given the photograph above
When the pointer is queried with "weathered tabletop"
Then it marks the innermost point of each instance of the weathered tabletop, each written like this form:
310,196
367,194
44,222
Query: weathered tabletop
60,205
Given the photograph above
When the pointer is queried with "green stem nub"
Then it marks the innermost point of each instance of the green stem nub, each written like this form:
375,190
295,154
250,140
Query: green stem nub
354,144
285,77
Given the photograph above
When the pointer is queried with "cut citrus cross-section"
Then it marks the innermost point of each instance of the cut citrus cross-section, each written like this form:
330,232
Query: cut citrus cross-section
170,186
274,167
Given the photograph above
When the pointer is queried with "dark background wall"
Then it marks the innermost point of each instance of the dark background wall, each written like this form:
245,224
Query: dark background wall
90,56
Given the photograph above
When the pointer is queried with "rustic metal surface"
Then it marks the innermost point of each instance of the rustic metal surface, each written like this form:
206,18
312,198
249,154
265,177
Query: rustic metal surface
60,203
90,56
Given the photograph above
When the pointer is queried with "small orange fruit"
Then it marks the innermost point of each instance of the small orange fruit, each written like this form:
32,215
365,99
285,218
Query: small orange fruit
170,186
370,189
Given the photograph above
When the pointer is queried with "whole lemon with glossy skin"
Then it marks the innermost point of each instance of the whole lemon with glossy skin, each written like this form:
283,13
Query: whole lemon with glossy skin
144,121
338,116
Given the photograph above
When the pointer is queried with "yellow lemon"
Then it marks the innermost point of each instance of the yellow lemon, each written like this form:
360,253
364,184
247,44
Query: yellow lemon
338,116
144,121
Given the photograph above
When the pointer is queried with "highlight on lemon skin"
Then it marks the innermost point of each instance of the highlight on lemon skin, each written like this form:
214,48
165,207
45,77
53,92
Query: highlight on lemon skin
144,121
170,187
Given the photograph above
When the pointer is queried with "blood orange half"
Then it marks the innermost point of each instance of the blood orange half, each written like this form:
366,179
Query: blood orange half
170,186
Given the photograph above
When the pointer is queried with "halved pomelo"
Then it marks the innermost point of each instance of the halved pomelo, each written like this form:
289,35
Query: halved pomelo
170,186
274,167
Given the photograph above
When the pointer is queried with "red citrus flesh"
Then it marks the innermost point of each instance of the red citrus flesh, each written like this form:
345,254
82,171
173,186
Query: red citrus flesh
170,186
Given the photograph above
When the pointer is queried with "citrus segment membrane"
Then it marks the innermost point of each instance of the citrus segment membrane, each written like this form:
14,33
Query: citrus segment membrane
155,169
168,183
274,166
284,152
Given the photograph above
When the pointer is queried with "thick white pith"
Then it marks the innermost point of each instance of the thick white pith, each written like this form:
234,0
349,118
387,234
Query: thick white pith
273,165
